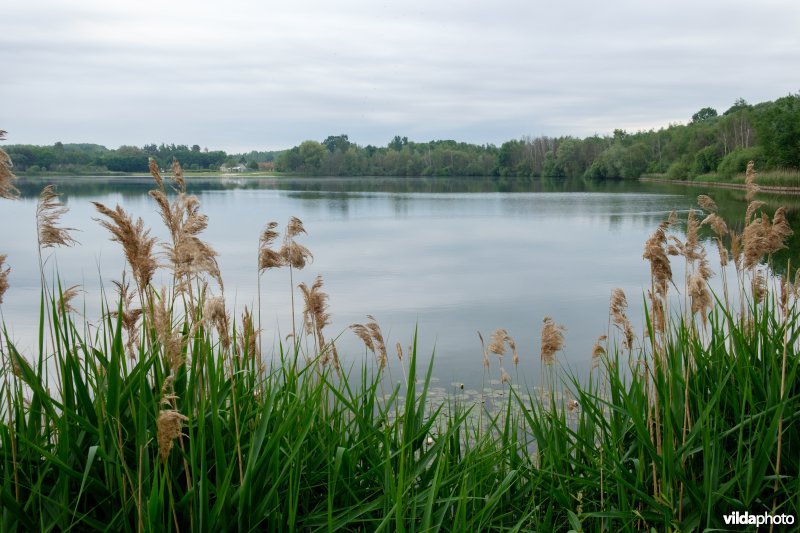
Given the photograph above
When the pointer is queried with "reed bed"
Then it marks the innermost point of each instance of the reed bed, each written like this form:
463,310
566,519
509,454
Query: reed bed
167,417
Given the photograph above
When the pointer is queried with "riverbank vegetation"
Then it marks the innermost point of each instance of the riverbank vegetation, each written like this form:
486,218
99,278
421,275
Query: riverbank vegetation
163,414
711,147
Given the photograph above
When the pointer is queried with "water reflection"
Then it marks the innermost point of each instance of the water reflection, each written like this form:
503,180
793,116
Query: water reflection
449,256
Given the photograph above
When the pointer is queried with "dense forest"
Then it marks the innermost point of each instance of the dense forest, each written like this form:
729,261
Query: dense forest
710,145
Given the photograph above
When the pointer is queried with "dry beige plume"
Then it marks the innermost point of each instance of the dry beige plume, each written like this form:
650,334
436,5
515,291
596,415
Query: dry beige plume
598,351
750,181
759,286
377,336
136,242
707,203
177,175
736,249
655,252
699,295
214,313
552,340
3,277
752,207
372,336
504,377
657,312
169,424
717,224
315,313
691,248
756,240
513,346
617,308
153,165
779,231
247,337
364,334
267,257
293,254
48,212
7,189
188,254
485,352
65,301
399,349
723,253
294,228
498,344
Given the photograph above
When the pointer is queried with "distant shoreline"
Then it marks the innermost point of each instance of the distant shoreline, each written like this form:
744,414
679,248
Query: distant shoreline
721,185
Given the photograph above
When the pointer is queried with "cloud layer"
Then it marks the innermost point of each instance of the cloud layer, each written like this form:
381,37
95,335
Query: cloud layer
243,75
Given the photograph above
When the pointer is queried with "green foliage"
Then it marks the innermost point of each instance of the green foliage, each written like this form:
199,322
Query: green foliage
736,162
678,171
705,114
778,126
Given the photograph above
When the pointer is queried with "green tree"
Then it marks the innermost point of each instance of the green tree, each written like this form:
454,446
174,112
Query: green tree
705,114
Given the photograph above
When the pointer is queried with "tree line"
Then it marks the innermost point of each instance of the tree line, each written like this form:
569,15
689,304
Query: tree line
710,143
768,133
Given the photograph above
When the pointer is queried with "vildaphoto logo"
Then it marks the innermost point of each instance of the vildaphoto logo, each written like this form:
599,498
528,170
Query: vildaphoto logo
765,519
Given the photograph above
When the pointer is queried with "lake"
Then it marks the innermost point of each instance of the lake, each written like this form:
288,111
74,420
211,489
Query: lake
446,257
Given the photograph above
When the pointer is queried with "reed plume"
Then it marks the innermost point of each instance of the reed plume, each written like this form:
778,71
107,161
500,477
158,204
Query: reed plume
315,314
49,211
188,254
779,231
65,300
655,251
750,181
4,272
716,223
169,425
214,313
153,166
177,176
552,340
619,317
135,240
598,351
707,203
372,337
293,254
485,352
267,257
699,295
247,337
7,189
498,344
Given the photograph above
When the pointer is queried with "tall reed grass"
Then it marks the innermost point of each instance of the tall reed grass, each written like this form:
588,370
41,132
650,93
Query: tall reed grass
167,417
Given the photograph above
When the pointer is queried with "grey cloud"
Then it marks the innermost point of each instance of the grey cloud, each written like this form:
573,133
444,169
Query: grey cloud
249,75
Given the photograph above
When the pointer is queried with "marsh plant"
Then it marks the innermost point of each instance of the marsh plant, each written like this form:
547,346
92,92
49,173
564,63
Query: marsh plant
169,417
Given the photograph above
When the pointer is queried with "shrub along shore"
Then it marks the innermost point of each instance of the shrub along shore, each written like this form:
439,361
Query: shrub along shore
166,416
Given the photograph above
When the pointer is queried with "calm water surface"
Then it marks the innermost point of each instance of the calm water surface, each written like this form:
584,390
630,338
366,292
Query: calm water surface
444,256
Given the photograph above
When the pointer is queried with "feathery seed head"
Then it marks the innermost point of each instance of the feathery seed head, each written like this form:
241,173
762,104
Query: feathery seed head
552,340
706,203
177,176
135,239
7,189
153,166
48,212
169,425
3,277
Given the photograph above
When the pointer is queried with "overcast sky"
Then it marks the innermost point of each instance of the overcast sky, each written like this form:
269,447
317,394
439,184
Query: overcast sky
240,75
